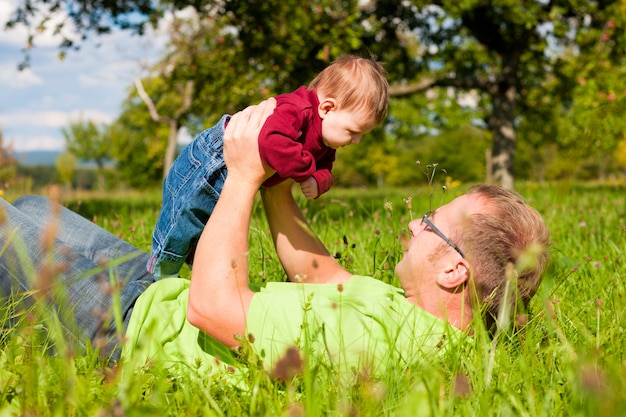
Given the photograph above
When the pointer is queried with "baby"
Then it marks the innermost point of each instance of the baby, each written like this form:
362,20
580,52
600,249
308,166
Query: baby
346,100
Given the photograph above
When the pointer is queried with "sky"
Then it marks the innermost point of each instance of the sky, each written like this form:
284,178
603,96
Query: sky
89,84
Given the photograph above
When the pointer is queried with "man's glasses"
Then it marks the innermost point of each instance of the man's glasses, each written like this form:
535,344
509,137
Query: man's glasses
439,233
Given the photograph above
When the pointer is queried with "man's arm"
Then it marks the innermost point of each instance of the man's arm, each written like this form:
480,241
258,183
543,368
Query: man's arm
300,251
219,296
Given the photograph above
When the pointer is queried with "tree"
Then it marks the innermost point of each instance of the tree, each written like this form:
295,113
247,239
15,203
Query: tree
89,142
136,144
200,77
66,167
501,49
8,163
173,122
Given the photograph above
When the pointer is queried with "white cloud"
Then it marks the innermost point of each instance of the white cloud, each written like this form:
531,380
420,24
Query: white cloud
35,143
56,119
11,77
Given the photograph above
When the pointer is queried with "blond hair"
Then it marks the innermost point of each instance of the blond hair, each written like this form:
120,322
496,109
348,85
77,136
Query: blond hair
357,84
507,242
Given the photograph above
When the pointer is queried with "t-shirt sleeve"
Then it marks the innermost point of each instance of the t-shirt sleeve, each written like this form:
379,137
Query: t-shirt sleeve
159,333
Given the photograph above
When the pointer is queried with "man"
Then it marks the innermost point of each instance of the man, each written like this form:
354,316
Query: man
460,259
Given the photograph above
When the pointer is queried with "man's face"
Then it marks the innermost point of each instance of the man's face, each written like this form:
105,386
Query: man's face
421,262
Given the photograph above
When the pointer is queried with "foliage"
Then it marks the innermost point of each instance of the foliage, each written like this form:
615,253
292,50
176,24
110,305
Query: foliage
566,360
382,161
574,124
66,167
519,63
89,142
138,156
8,163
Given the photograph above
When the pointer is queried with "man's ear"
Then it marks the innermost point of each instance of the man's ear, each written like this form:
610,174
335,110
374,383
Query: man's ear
326,105
453,274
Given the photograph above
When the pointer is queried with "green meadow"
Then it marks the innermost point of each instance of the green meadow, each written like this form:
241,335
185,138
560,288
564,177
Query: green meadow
565,357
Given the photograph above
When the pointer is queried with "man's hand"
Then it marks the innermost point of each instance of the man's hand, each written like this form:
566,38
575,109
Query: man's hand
309,188
241,147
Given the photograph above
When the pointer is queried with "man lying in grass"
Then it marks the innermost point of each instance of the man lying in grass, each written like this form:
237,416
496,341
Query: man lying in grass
483,250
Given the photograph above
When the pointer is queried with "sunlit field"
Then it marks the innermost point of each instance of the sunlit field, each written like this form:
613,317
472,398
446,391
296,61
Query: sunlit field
566,357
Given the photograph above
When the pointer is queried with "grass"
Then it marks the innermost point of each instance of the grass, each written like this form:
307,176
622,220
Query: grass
569,360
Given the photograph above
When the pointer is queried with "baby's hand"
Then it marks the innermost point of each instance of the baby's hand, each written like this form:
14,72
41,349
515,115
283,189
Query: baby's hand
309,188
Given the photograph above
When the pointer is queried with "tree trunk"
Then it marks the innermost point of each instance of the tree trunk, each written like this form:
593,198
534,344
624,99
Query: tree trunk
170,152
100,175
503,94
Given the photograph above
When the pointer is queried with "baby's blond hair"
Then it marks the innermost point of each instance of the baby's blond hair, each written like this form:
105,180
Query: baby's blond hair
357,84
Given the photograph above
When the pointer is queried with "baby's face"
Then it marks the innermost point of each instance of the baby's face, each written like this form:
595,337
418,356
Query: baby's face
345,127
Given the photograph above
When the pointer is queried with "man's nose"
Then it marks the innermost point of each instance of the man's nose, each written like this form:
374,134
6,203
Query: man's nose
414,226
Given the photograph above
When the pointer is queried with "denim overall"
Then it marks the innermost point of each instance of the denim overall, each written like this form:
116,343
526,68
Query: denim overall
190,192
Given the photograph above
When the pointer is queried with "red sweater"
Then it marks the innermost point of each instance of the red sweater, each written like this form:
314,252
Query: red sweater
291,141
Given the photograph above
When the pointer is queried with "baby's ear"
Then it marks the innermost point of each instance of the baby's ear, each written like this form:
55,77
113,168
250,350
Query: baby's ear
325,106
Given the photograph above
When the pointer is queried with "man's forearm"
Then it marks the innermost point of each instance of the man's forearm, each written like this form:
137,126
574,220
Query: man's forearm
219,296
301,253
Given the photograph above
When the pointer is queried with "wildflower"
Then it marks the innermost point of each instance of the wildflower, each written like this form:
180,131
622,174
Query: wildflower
388,206
593,379
582,224
408,203
289,365
462,386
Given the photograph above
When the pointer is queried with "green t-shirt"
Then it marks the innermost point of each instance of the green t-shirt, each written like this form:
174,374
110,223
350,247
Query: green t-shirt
362,323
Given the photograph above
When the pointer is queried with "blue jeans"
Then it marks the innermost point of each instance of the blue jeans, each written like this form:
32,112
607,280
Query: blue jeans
190,191
85,251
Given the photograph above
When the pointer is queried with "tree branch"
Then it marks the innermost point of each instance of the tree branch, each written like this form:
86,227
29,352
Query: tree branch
146,99
426,83
187,95
408,89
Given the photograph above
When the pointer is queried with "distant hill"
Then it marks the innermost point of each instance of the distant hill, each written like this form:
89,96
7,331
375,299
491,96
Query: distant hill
31,158
44,158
